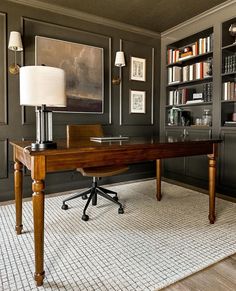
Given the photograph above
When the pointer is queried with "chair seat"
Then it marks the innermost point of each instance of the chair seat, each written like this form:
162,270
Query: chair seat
105,171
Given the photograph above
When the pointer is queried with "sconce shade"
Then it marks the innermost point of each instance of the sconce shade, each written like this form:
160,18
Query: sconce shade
15,43
42,85
120,59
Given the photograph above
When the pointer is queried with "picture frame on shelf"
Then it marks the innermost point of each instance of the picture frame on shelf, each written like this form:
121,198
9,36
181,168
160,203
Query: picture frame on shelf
84,68
138,69
137,101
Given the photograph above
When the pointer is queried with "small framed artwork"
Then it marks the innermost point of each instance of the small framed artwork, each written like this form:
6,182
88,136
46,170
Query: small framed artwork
138,69
137,102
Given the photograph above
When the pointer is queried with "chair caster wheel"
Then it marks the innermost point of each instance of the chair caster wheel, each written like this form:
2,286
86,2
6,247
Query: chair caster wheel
84,197
116,198
120,210
64,206
85,217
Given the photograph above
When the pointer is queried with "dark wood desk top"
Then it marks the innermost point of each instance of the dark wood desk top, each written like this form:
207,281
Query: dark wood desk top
86,153
85,145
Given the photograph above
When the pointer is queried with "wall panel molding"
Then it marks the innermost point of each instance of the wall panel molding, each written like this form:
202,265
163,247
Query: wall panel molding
132,48
32,27
3,70
3,158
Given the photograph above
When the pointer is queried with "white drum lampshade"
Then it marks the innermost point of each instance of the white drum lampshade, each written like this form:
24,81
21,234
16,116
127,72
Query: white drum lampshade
42,86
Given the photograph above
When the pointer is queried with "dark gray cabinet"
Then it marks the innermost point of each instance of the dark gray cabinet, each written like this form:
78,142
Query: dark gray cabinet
175,166
188,168
197,166
227,170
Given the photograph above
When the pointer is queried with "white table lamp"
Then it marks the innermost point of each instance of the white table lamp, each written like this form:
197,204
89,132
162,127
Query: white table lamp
42,86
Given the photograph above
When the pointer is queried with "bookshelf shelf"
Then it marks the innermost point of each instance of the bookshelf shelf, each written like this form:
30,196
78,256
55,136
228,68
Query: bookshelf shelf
180,84
230,46
190,105
228,101
192,58
228,74
191,127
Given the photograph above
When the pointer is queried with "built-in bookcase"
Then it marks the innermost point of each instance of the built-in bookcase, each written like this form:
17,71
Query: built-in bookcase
189,79
228,74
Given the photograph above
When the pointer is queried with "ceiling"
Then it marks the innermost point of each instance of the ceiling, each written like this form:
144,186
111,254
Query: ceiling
155,15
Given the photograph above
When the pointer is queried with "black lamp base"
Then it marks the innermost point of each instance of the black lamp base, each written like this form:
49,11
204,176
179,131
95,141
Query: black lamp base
37,146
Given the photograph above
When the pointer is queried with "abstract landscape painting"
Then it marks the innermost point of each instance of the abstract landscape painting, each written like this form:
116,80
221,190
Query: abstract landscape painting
83,65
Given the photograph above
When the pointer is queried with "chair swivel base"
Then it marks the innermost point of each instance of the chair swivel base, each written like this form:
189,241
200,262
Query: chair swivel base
94,191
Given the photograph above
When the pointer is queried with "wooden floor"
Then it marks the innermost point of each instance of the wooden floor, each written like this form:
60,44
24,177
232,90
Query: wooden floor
218,277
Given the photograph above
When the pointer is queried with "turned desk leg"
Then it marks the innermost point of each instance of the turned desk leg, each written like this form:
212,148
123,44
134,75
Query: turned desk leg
212,177
158,179
38,213
18,195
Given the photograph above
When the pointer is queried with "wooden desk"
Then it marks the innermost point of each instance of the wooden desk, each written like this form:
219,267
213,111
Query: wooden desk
86,154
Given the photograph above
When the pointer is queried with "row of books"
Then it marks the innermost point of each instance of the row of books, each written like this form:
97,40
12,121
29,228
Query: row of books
189,95
180,96
207,92
201,46
230,64
229,90
192,72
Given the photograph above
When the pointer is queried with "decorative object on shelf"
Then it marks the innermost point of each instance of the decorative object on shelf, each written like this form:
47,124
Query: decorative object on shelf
119,62
15,44
206,117
138,69
187,52
42,86
174,116
137,101
232,30
84,68
198,121
234,116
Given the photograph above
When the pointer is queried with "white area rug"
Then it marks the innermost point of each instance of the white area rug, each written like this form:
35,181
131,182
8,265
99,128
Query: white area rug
150,246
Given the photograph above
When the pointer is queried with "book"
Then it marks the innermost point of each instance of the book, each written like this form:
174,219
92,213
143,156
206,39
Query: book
194,101
186,57
230,123
108,138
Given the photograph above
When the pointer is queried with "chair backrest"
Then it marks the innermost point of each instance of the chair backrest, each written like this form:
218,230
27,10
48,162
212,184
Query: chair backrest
76,131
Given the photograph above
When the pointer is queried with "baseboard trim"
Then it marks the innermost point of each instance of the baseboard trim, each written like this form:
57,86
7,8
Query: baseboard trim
195,188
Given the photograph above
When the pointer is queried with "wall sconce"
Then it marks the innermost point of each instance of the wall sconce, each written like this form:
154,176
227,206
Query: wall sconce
119,62
42,86
15,44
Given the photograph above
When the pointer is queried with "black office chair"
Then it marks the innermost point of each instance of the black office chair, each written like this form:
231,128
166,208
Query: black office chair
74,133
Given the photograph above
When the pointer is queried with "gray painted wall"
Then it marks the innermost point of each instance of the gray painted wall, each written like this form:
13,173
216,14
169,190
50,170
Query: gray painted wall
18,123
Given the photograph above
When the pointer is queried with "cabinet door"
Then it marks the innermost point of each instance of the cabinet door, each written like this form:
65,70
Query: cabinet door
197,166
174,166
227,170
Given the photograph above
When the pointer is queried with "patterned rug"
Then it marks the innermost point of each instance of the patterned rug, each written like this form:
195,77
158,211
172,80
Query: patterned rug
150,246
